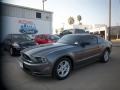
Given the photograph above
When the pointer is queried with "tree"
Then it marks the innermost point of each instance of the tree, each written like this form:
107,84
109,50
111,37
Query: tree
71,20
79,19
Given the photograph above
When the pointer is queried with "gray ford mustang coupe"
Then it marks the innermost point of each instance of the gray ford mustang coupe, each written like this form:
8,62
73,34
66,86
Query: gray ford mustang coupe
59,59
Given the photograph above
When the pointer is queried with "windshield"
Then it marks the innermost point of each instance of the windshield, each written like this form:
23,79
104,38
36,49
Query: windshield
54,37
21,37
69,39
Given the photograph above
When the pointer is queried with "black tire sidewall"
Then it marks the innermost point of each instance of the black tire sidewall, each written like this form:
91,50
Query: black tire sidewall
55,74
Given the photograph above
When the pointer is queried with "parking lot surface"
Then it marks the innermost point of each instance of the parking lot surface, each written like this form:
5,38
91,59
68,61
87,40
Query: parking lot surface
97,76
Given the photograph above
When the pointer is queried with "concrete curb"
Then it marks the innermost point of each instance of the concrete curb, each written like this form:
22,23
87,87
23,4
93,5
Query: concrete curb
116,45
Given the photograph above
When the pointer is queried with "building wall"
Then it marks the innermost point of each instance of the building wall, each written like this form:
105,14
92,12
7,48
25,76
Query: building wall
16,17
13,25
24,12
115,32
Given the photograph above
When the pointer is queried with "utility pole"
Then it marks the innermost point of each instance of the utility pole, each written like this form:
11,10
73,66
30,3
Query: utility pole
109,35
43,1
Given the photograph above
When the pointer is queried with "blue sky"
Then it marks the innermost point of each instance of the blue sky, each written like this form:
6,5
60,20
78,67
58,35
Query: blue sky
92,11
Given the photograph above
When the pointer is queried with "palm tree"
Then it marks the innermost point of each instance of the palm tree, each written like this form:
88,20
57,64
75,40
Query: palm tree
79,19
71,20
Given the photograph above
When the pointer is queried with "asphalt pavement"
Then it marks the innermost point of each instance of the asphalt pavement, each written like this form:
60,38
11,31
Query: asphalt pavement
97,76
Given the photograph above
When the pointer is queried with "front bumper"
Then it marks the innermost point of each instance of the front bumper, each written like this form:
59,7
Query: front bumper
39,69
18,49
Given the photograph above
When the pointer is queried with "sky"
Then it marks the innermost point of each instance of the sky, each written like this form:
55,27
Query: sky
91,11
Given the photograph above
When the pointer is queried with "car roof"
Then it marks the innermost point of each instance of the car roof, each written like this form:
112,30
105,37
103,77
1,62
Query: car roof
82,34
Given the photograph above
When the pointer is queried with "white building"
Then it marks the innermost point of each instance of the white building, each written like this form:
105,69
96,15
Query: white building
19,19
95,28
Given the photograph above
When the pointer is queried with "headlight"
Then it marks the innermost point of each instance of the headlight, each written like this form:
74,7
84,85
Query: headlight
15,44
41,59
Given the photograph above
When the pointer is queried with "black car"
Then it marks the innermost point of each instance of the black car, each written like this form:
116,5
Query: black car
14,43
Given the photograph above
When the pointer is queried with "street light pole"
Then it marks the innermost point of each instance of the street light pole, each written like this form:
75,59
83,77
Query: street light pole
109,35
43,1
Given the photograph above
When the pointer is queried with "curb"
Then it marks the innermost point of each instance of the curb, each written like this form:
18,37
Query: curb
116,45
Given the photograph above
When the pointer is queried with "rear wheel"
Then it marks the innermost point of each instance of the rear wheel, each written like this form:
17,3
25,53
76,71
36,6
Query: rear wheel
106,56
62,68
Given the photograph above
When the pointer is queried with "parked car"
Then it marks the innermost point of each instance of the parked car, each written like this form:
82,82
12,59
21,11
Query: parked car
46,38
72,31
14,43
60,58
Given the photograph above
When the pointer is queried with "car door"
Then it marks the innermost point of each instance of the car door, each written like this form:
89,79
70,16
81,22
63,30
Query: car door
91,47
78,50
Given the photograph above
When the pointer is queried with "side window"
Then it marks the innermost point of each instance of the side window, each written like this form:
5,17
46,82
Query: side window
51,37
91,40
41,37
36,36
79,31
65,32
44,37
69,32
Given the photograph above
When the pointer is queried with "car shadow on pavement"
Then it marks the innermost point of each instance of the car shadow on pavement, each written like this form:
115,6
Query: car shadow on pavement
42,78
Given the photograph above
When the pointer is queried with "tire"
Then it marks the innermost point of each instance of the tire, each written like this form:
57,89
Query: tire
105,57
11,51
62,69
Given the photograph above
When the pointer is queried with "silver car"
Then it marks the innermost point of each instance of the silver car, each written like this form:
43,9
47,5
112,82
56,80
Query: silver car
59,59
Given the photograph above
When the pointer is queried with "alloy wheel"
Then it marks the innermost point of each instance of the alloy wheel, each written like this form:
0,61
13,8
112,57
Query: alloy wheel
106,56
63,68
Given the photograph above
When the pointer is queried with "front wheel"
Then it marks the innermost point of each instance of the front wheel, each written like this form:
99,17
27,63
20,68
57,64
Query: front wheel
62,68
106,56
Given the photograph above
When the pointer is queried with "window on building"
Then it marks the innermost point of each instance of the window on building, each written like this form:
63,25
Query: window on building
38,15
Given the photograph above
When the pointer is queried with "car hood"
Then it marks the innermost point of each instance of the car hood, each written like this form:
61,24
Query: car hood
26,43
45,49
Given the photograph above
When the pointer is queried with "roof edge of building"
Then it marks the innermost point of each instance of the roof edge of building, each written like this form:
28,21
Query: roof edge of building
9,4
